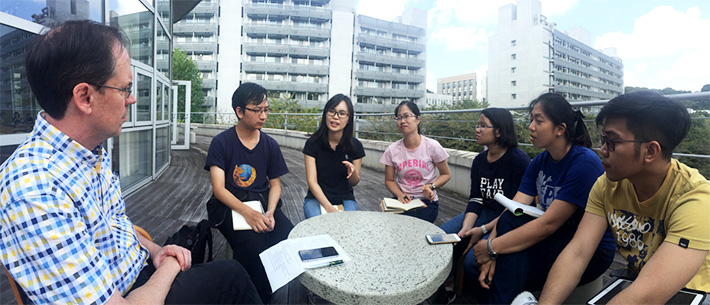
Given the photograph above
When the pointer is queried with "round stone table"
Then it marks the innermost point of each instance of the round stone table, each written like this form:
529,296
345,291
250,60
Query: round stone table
391,261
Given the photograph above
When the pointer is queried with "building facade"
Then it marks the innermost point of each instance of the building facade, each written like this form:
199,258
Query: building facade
196,34
306,49
142,151
437,100
459,87
528,56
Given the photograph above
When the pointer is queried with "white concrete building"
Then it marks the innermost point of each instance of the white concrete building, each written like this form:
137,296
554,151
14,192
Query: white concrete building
528,56
310,49
436,99
459,87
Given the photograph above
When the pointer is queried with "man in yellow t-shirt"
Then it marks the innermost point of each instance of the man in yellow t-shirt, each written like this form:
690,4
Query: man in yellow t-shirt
656,206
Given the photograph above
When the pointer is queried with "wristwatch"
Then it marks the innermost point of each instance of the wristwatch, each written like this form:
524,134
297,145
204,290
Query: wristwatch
491,253
433,186
484,230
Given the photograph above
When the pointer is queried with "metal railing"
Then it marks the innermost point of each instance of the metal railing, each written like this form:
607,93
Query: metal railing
456,128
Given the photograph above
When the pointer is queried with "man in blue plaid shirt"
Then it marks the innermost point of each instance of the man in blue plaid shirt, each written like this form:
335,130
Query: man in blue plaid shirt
64,234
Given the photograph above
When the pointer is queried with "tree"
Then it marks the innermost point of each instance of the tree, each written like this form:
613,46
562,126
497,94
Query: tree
705,88
184,68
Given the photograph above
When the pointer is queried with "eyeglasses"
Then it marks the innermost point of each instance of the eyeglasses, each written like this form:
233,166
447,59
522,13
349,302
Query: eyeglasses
479,126
259,111
405,116
341,113
611,143
127,91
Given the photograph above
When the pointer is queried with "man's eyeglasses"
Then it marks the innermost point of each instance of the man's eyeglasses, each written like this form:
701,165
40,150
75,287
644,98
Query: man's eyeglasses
259,111
405,116
479,126
127,91
341,113
611,143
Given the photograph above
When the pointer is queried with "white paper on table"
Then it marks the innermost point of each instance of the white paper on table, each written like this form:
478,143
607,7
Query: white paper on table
282,263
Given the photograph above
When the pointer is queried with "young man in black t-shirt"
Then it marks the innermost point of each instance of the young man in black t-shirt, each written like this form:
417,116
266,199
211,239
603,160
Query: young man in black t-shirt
245,164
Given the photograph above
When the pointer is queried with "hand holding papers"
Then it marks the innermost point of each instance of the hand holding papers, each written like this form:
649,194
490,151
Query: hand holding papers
518,208
238,221
282,263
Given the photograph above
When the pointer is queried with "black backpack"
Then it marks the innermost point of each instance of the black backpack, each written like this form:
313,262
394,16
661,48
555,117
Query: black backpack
195,239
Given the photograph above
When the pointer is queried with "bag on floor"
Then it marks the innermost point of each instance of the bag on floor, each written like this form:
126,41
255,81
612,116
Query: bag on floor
196,239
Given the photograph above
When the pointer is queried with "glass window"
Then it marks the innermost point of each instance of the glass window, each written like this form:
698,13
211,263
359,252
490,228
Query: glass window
166,102
162,147
137,22
18,106
6,151
132,156
49,12
143,95
164,11
162,59
159,101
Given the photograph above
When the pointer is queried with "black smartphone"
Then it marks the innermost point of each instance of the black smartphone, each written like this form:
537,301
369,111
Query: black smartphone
311,254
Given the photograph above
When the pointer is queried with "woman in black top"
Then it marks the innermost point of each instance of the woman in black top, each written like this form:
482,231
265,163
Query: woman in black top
333,159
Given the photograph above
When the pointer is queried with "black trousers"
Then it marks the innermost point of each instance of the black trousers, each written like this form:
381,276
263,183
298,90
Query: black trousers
247,244
217,282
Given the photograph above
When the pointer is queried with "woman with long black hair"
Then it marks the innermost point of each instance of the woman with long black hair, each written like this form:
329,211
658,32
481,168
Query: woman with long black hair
333,159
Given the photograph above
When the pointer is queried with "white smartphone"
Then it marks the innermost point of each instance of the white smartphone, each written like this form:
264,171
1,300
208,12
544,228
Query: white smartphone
442,238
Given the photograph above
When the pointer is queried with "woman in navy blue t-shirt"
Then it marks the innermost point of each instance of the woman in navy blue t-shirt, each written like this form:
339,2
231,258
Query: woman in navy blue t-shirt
333,159
520,249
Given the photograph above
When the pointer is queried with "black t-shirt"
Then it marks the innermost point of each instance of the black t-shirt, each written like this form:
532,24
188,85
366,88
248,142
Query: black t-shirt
502,176
331,172
244,168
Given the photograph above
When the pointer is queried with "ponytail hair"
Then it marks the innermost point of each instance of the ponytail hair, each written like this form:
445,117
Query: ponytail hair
560,112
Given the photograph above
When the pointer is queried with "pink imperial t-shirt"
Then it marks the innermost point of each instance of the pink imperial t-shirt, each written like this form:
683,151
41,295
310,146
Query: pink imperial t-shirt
414,168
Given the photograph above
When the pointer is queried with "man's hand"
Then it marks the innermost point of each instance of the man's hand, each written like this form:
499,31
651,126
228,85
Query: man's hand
487,271
480,250
258,222
270,217
475,234
182,255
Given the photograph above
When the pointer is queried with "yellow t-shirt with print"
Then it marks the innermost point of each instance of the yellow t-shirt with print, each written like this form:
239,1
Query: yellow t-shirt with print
678,213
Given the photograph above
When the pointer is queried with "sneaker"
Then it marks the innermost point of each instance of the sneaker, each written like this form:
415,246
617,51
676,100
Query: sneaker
524,298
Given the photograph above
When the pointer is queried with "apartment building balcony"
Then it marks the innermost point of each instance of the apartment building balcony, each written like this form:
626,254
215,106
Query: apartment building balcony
201,47
286,10
206,65
205,8
287,30
284,68
389,43
595,62
294,86
386,76
209,83
252,48
195,28
393,60
585,81
210,101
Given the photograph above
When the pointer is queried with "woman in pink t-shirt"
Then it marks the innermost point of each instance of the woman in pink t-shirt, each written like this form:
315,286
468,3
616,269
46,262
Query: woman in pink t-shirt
412,162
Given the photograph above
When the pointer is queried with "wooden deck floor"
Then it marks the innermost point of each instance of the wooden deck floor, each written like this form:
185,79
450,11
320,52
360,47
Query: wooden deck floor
178,197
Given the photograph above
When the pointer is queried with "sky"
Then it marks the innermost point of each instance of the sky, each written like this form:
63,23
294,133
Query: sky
661,43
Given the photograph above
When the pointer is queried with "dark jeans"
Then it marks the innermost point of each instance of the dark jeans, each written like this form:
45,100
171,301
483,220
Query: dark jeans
429,213
528,269
454,226
247,244
217,282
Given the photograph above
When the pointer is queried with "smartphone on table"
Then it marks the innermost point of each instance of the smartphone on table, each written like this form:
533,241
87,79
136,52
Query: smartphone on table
443,238
312,254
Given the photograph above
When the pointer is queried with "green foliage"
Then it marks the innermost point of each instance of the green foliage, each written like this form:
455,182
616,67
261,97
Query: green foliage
282,106
697,142
184,68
